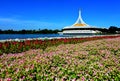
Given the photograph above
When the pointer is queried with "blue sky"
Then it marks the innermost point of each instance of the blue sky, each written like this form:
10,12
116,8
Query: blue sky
56,14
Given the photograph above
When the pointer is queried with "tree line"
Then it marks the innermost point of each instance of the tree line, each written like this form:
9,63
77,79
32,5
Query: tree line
111,29
114,29
44,31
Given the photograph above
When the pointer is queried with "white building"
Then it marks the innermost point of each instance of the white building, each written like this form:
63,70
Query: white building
79,28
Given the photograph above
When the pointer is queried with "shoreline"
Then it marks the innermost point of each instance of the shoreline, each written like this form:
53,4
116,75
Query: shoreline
49,38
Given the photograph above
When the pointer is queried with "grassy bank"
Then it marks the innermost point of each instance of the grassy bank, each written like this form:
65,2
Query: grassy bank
92,60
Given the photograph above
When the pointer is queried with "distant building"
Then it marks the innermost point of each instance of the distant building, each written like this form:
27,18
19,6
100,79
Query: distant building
80,28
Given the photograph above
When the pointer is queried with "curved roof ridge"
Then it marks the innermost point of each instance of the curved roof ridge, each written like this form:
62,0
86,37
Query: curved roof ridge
80,21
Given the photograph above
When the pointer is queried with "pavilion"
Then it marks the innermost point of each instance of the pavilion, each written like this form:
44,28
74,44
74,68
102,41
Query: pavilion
80,28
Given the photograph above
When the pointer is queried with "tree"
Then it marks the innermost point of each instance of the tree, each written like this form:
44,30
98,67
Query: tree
113,29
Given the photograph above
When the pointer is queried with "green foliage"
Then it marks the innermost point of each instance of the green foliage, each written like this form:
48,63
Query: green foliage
93,52
57,61
44,31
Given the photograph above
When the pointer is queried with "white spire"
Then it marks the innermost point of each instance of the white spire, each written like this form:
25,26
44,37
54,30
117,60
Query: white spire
80,20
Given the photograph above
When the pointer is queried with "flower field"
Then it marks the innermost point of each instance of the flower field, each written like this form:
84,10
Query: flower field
21,46
61,60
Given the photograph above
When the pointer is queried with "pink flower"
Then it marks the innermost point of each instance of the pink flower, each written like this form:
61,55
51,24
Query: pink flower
83,78
32,67
23,77
9,79
100,65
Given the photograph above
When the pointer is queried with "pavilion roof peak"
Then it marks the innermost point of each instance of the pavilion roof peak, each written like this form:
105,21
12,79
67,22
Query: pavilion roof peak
80,21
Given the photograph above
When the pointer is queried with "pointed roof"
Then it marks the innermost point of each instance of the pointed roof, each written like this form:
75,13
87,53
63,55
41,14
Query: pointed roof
80,21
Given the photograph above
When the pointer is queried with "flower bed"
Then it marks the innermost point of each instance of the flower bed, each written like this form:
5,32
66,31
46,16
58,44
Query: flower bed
97,60
21,46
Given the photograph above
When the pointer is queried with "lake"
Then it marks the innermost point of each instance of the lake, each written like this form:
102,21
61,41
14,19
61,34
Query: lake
26,36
